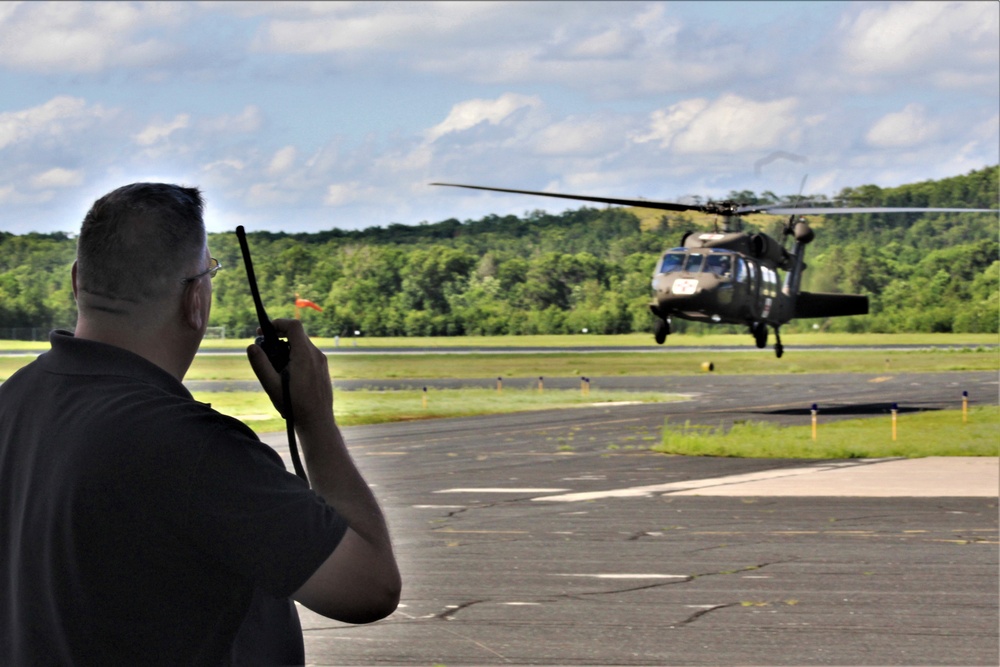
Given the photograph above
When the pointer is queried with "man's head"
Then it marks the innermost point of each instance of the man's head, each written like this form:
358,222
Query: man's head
138,242
139,247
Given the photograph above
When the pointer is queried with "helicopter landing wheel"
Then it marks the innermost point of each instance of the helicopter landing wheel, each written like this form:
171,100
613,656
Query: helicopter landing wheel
661,328
759,331
779,349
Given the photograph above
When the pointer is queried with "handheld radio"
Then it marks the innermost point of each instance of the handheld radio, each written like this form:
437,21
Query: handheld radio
277,351
275,348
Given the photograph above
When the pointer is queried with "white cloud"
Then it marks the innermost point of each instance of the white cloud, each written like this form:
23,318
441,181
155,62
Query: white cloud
84,36
59,117
611,43
730,124
339,194
470,113
579,136
406,161
329,27
158,132
270,194
666,124
606,49
12,196
306,115
952,41
57,178
249,120
225,163
282,160
909,127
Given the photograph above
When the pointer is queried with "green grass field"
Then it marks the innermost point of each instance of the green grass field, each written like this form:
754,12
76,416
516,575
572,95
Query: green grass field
375,407
932,433
922,434
668,361
594,340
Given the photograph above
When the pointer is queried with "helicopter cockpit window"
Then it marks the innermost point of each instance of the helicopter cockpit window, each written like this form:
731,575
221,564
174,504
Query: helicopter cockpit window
720,264
741,271
693,264
672,262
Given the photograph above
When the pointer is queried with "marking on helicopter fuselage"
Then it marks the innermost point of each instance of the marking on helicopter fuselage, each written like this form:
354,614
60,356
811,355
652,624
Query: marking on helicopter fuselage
684,286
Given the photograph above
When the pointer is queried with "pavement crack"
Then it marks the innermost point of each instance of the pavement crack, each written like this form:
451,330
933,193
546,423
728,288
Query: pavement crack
630,589
701,612
449,613
746,568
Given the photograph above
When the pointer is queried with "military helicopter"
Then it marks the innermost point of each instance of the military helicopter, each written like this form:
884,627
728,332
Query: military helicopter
730,276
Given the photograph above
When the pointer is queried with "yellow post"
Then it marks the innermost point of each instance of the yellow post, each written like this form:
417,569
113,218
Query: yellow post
587,380
583,386
499,385
425,398
895,409
965,407
814,411
541,384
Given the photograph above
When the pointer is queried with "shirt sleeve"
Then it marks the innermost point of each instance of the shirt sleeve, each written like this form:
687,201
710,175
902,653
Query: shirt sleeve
253,516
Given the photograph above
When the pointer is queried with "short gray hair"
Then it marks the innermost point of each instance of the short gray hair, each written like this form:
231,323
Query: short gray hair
136,241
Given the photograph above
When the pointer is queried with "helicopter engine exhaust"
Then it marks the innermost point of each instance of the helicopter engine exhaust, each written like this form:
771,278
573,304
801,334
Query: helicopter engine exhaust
766,248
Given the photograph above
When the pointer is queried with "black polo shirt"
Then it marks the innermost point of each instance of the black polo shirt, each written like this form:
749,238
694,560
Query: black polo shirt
137,525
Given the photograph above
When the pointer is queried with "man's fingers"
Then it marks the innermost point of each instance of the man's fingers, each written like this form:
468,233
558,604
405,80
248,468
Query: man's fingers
269,378
291,329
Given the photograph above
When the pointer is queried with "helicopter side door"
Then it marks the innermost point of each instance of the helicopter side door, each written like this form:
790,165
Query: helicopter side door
755,297
744,293
768,298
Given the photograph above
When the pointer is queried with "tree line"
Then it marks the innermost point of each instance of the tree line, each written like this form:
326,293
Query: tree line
584,269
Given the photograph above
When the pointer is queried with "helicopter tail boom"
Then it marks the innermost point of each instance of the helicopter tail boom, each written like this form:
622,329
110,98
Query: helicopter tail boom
818,304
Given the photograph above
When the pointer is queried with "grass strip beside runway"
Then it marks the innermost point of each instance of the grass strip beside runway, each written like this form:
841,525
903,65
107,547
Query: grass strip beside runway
376,407
676,341
937,433
599,364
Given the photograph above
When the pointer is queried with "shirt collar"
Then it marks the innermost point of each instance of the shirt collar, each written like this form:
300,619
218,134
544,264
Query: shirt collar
78,356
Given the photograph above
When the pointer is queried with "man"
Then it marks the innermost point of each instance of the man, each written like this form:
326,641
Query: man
138,526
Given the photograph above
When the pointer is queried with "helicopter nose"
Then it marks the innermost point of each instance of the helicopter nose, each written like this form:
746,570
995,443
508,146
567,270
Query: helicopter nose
661,284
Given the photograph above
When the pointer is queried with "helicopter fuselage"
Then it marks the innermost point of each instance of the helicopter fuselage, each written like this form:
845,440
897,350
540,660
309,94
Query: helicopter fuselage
722,278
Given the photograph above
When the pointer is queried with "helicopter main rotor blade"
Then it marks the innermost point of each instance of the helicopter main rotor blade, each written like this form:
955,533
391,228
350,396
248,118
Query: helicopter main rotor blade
643,203
847,210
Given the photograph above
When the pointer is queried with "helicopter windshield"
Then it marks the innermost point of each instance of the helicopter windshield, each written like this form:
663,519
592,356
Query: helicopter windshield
719,264
672,262
693,264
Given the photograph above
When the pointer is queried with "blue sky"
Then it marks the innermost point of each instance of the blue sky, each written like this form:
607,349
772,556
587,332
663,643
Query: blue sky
308,116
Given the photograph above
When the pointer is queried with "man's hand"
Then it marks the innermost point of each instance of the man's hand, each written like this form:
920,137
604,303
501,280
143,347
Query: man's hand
311,391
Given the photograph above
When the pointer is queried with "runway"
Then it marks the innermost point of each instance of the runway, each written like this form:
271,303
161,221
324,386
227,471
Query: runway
557,538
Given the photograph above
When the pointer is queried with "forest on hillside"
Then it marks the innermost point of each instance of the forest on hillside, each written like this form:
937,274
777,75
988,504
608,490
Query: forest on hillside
544,273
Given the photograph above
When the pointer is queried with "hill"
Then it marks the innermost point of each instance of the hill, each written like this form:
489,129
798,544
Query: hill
560,273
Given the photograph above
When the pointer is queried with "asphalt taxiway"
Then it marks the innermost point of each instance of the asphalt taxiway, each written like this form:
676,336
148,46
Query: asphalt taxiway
557,538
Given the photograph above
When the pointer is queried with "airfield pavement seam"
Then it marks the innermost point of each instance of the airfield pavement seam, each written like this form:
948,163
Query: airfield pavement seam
934,476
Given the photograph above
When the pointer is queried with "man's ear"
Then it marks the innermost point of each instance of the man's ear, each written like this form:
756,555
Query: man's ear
73,273
191,305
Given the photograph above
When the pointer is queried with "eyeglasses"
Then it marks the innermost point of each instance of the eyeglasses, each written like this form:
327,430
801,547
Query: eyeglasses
213,268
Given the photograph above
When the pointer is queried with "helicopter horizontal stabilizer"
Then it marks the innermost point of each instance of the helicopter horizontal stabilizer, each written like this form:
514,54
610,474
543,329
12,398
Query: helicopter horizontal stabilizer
818,304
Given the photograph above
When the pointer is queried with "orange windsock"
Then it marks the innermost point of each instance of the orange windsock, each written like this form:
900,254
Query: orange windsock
306,303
